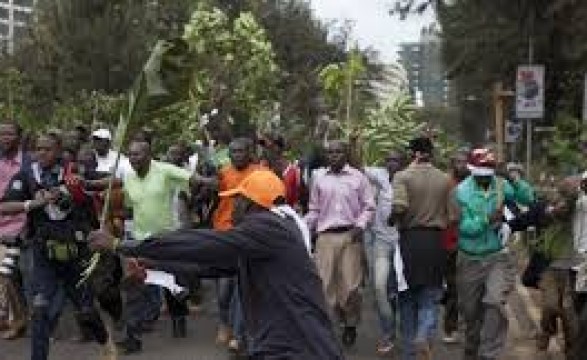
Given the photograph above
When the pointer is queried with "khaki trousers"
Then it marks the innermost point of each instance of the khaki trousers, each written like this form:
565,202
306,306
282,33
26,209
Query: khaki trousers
483,287
11,301
340,264
558,302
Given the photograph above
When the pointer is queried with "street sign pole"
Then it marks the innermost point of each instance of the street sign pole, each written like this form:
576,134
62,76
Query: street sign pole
530,102
528,147
529,144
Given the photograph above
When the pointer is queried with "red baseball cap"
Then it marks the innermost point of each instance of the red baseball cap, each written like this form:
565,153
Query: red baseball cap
482,162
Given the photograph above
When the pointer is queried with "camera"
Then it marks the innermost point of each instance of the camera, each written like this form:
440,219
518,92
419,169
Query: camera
64,201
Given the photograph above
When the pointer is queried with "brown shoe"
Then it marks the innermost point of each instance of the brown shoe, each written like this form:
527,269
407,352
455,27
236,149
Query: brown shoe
16,331
423,351
542,341
223,335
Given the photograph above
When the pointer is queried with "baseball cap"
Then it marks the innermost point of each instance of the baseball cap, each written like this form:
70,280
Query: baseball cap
482,162
102,134
262,187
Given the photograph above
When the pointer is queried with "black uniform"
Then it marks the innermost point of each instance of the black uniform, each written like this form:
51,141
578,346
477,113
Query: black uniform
281,291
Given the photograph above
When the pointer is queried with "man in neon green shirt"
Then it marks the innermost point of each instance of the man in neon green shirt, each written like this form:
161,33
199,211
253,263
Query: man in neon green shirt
149,192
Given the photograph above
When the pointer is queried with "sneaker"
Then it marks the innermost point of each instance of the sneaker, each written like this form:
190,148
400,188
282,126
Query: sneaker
349,336
450,338
223,335
234,345
384,347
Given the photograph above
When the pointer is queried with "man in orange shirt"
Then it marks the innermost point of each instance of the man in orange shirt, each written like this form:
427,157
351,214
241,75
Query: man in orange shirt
229,177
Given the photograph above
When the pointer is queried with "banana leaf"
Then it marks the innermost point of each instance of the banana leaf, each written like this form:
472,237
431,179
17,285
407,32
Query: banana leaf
163,81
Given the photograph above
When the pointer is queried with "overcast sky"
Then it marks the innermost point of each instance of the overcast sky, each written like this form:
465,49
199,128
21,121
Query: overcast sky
373,26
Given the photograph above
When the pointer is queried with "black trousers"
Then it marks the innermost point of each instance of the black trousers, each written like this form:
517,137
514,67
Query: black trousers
177,307
580,345
450,300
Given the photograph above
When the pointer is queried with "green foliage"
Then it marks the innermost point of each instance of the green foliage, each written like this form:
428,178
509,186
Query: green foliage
14,96
485,41
391,126
234,62
388,128
564,150
347,90
80,56
88,109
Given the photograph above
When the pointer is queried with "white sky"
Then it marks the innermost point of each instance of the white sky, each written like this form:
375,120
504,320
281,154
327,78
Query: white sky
373,26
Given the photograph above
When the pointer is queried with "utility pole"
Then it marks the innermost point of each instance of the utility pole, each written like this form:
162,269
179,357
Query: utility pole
529,121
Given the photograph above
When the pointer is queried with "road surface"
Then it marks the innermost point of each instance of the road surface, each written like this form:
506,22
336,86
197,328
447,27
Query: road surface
202,325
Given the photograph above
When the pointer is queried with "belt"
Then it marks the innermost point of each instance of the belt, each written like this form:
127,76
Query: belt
338,230
481,253
423,228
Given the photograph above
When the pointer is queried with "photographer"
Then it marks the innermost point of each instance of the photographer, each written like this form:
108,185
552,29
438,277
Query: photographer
59,217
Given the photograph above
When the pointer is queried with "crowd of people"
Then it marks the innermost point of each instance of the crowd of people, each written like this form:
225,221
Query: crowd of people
291,245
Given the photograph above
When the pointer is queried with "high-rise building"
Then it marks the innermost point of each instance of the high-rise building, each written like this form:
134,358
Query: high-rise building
422,60
15,15
392,83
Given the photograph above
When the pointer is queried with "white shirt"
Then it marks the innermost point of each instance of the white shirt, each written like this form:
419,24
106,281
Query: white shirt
379,178
193,162
106,163
580,224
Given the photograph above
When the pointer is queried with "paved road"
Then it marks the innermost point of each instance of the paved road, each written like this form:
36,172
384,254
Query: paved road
200,346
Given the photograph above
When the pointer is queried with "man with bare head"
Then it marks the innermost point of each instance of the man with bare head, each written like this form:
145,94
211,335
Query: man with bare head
341,205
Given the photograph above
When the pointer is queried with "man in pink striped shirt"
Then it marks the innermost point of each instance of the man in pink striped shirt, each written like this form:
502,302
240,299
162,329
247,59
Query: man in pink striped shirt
12,159
341,205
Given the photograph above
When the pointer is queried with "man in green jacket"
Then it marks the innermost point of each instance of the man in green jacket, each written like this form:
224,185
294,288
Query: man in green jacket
485,272
523,192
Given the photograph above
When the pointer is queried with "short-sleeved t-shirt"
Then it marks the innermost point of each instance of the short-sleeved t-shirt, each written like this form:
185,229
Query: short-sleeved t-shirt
151,198
229,178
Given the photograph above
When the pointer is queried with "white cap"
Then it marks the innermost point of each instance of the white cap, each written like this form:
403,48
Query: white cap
584,176
102,134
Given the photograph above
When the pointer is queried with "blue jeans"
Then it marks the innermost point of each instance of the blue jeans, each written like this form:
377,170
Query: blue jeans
229,306
237,322
380,259
419,317
50,284
224,290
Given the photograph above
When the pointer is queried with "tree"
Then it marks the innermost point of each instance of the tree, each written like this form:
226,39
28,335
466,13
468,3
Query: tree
342,86
234,67
97,45
485,41
391,126
14,96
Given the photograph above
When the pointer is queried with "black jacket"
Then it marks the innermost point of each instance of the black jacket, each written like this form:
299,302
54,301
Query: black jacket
283,301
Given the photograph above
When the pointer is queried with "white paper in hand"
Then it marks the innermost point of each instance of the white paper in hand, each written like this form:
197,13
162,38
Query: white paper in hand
165,280
504,233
